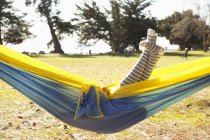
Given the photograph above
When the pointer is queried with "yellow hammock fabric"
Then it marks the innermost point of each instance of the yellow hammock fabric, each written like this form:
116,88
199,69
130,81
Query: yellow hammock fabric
160,78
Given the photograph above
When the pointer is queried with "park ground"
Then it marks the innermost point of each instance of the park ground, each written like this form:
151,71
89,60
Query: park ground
188,119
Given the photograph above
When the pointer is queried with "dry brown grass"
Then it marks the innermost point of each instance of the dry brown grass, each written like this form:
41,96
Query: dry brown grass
22,119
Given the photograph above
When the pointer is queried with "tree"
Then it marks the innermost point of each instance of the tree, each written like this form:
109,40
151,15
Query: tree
203,10
92,24
117,31
185,29
125,24
13,29
136,21
57,26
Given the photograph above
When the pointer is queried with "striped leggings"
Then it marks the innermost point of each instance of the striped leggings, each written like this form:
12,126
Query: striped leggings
146,63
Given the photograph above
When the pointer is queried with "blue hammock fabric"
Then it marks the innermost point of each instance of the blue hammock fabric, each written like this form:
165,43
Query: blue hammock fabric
92,111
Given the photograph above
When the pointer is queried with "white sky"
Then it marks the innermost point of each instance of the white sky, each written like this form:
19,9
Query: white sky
159,9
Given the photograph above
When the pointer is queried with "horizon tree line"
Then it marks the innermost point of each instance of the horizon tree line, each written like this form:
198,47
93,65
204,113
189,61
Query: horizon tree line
123,24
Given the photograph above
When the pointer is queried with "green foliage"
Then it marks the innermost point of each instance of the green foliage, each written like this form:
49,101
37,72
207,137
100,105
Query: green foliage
92,24
122,26
185,29
136,21
13,29
61,26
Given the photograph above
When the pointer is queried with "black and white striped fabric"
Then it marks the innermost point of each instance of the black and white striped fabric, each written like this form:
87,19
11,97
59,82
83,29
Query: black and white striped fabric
142,69
146,63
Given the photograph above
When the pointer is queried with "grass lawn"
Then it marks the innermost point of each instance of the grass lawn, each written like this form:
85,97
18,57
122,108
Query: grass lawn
20,118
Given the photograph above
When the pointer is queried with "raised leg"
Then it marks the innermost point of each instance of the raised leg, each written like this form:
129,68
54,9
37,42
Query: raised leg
147,61
135,75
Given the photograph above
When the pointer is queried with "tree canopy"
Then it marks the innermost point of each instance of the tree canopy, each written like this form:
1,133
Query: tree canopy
185,29
13,28
122,26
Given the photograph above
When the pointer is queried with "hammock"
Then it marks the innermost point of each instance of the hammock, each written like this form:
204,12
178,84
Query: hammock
85,104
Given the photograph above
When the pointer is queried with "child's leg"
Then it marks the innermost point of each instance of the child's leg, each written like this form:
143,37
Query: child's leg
143,68
152,61
135,75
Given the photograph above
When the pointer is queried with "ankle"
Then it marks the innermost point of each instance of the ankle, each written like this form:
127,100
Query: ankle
157,50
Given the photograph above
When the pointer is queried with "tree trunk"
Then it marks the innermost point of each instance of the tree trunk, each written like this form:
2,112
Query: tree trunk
115,45
113,48
57,45
205,47
1,41
115,26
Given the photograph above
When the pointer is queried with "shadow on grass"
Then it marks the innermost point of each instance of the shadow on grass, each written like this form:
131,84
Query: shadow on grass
83,55
63,55
78,56
182,54
203,103
178,53
96,55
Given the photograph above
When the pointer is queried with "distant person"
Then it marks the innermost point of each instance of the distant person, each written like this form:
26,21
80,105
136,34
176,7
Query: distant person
147,61
186,53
